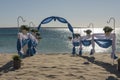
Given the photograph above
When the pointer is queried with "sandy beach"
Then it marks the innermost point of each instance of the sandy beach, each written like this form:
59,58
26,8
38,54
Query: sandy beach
60,67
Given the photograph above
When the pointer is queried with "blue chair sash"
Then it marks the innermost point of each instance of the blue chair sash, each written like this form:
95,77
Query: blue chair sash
86,42
104,43
76,43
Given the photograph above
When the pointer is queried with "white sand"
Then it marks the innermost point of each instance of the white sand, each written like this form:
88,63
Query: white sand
60,67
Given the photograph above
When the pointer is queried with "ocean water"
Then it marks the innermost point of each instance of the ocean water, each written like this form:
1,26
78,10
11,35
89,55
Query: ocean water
54,40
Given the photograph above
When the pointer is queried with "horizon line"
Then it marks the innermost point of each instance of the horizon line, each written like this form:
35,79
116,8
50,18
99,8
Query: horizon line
56,27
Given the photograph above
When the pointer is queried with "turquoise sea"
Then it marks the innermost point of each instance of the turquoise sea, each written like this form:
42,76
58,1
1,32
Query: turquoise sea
54,40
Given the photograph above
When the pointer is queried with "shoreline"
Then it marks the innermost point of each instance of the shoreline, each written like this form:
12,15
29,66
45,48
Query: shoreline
60,67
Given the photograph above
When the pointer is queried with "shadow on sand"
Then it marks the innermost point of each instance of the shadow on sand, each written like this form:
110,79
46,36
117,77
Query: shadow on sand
109,67
7,67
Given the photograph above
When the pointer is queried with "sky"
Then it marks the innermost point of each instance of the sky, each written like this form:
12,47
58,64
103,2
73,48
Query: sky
79,13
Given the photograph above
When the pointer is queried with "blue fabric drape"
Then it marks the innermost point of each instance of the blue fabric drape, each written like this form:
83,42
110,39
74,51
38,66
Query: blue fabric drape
104,43
70,27
30,52
76,43
86,42
39,26
47,20
18,45
62,20
24,42
73,51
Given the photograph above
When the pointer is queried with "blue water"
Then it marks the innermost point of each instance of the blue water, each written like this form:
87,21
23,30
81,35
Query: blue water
54,40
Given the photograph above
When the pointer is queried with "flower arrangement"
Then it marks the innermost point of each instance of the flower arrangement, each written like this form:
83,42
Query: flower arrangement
88,31
107,29
16,57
